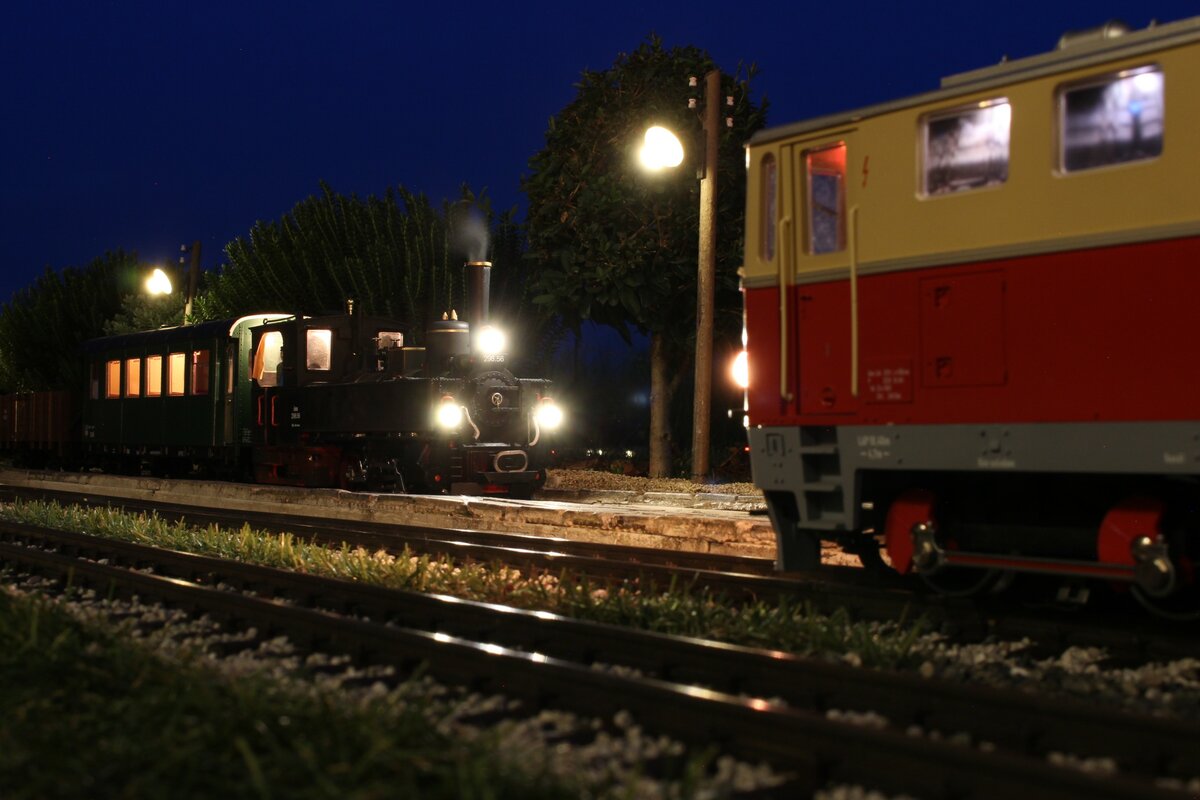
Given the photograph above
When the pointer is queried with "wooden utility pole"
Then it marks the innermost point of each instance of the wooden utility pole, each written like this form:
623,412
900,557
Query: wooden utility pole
193,279
706,278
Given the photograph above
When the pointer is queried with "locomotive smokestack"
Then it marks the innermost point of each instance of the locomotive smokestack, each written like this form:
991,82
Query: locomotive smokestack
478,279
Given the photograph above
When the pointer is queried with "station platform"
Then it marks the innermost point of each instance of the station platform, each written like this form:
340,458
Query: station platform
713,523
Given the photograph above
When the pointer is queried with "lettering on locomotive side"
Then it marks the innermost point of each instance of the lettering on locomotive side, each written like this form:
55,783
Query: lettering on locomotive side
889,382
998,462
1175,459
874,447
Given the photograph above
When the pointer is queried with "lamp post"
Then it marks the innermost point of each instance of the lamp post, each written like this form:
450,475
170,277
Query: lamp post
662,149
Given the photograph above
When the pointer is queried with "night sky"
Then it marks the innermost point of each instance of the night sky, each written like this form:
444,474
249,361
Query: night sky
145,125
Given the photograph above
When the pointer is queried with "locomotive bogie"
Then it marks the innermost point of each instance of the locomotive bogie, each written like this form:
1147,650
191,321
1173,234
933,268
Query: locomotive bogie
986,291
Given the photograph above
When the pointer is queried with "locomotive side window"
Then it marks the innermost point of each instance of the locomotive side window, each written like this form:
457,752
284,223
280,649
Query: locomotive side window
317,348
112,382
390,339
967,148
133,377
267,358
1111,121
153,376
826,172
176,366
200,361
768,207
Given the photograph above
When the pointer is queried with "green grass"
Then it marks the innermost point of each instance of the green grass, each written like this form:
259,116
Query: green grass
682,610
84,712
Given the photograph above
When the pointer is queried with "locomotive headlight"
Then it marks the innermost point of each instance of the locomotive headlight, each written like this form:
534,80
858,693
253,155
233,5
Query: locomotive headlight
548,414
740,369
491,341
449,413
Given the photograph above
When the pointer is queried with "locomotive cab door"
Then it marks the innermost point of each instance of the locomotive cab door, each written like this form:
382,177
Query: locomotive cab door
266,376
824,293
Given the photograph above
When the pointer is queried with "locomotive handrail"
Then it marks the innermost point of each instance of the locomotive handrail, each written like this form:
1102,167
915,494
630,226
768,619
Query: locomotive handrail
785,238
854,301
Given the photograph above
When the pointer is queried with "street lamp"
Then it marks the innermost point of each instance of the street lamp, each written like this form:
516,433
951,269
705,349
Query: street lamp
158,282
662,149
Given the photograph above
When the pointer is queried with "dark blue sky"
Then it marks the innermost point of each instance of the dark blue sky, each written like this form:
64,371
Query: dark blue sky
141,125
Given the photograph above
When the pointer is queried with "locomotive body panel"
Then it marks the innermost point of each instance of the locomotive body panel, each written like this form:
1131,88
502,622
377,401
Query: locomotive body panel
969,321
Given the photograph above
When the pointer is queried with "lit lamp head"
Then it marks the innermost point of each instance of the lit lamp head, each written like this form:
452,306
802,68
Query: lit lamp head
660,149
158,282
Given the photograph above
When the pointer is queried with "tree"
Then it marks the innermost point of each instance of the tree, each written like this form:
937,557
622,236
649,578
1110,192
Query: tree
617,246
44,325
394,255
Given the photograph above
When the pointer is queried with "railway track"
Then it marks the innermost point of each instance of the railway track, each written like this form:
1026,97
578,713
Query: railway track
1126,633
804,717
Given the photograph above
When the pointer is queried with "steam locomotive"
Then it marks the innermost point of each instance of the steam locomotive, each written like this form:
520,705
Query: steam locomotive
318,401
970,323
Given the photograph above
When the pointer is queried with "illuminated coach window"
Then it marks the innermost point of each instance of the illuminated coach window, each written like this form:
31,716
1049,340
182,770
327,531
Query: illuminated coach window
154,376
176,368
1113,120
200,361
826,172
767,207
316,347
112,382
967,148
133,377
266,359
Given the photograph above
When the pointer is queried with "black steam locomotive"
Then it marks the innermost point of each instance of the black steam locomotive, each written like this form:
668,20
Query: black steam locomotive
335,401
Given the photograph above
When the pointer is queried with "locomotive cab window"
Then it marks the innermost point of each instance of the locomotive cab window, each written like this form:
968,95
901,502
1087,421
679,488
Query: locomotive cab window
825,170
266,359
1114,120
318,349
112,380
966,148
200,365
154,376
133,377
767,206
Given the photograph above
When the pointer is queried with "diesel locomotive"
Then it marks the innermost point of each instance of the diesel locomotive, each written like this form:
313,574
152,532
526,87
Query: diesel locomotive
970,323
339,400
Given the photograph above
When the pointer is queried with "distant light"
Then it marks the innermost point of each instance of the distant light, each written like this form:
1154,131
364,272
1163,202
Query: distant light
740,370
158,282
661,149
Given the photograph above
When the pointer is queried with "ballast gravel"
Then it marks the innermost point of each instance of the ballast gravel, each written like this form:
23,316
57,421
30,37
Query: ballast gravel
610,757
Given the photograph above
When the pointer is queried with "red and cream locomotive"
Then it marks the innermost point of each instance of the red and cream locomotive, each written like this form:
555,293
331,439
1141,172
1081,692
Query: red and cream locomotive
970,319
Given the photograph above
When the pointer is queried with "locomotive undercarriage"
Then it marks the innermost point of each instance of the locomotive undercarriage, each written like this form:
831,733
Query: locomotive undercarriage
964,531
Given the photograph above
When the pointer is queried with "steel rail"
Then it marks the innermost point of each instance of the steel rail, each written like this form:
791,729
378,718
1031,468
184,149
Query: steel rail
1020,723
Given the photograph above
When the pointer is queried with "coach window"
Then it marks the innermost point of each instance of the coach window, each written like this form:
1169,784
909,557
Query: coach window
1113,120
767,205
94,383
317,349
176,368
967,148
153,376
826,172
200,361
112,382
266,359
133,377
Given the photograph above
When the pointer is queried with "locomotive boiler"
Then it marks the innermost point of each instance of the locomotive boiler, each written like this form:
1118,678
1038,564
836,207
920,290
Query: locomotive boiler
969,320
